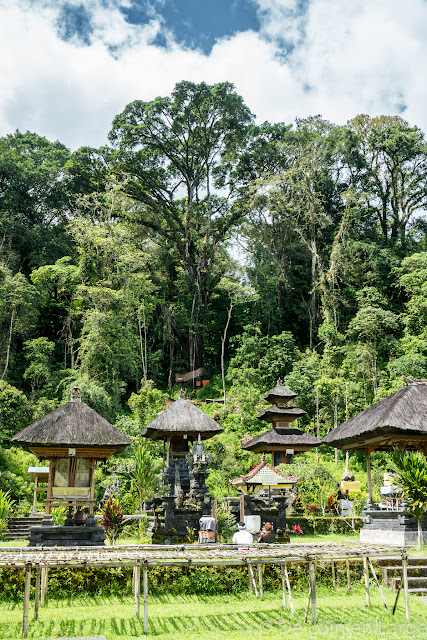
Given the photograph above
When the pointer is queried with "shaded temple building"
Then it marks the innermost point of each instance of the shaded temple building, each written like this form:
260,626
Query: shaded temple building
185,498
73,438
396,421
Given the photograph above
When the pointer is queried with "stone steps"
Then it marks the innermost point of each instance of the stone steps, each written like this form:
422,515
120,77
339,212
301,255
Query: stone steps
417,574
19,528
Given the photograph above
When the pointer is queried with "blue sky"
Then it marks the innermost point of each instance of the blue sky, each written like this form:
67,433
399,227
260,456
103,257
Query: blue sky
68,67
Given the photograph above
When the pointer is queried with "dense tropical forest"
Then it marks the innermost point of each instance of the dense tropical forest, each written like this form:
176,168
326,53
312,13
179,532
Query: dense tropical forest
198,238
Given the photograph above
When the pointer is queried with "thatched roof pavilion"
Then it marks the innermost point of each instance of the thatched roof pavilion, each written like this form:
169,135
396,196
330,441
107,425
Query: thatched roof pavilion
72,437
180,423
398,420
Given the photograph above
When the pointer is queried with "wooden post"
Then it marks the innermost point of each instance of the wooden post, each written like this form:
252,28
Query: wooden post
282,571
133,581
368,471
312,573
145,586
308,606
242,508
334,584
251,571
52,465
44,579
92,486
26,598
405,584
397,598
378,584
137,588
37,595
288,584
249,578
261,591
366,572
347,564
36,484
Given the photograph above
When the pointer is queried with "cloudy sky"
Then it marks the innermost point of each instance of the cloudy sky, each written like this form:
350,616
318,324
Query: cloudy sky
68,67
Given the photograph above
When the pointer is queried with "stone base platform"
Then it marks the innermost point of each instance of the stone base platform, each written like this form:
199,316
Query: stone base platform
395,528
67,536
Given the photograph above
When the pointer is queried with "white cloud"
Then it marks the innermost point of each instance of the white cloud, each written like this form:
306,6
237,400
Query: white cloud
346,58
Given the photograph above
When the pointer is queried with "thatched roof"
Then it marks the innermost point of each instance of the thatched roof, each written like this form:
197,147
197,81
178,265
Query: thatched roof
180,418
403,414
279,394
274,413
286,438
72,425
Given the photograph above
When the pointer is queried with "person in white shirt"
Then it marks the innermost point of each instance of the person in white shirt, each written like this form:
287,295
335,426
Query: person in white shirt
242,537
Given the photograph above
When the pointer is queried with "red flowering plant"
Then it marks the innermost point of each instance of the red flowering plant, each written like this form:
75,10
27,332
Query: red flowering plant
334,505
297,529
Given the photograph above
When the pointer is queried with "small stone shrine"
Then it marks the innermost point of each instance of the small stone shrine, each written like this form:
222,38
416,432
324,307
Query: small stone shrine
265,494
72,438
186,498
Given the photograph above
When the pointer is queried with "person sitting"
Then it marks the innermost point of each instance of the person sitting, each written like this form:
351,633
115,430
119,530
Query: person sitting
267,534
242,537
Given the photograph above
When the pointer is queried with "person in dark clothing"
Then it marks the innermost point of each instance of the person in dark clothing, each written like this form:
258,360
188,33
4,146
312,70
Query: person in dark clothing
267,534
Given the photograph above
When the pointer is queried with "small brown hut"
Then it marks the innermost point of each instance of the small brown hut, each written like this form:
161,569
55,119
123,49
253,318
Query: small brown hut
281,441
73,438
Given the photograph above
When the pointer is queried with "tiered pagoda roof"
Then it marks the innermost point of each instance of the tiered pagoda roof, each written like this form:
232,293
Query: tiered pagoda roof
281,437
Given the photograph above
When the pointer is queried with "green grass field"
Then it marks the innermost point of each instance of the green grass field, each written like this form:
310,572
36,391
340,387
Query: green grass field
228,617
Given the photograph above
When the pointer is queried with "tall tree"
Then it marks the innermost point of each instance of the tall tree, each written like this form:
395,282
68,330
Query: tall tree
179,151
34,200
387,161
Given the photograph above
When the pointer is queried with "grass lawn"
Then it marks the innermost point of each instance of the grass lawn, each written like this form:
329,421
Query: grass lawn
226,617
305,538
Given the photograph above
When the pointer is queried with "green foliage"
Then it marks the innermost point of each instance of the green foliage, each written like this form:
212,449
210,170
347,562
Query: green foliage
59,515
15,412
144,474
226,526
411,469
147,403
38,353
315,484
6,509
14,463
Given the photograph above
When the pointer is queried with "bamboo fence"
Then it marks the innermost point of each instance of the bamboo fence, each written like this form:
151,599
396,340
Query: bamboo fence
41,559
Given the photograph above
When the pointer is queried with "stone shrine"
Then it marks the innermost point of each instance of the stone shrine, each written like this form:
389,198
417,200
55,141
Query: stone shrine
175,514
